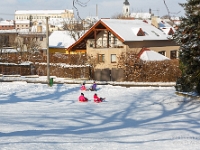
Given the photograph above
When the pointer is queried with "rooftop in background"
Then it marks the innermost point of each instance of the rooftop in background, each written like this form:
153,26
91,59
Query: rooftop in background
7,22
60,39
41,11
150,55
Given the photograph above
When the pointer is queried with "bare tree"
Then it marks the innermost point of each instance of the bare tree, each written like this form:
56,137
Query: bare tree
32,46
26,48
77,28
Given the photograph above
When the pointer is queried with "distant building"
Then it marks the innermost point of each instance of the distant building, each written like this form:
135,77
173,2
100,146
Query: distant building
126,9
141,15
42,14
28,18
22,24
7,25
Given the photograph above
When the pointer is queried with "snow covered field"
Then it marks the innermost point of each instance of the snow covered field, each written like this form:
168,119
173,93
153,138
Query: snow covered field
39,117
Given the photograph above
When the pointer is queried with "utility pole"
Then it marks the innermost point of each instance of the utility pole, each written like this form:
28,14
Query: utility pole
47,45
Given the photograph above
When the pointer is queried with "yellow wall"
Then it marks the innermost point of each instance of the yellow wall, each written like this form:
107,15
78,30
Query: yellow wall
65,51
157,46
58,50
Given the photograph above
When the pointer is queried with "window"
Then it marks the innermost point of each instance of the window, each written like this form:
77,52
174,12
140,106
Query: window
101,57
113,58
41,38
114,40
173,54
162,53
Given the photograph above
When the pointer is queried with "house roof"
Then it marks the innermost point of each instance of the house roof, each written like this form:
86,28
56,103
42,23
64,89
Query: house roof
126,2
22,21
60,39
150,55
124,30
6,22
141,15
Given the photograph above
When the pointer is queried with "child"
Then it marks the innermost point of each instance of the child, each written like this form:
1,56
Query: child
82,98
97,99
83,88
93,87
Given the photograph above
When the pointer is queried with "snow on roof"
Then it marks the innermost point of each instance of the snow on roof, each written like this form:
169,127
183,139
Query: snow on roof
141,15
124,29
5,22
9,50
15,31
36,29
150,55
31,12
22,21
60,39
92,18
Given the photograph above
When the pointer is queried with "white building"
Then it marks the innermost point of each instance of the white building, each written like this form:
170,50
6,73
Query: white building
126,9
38,17
42,14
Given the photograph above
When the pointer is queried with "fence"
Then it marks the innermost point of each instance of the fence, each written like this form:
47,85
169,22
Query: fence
15,69
115,74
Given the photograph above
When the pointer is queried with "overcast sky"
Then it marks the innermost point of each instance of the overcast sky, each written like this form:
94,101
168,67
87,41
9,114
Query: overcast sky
106,8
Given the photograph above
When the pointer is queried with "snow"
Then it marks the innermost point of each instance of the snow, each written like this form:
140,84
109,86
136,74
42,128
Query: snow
7,23
141,15
37,116
41,11
60,39
152,56
128,34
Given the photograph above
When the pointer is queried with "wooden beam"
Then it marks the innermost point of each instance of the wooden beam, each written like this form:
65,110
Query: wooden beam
95,38
107,39
100,29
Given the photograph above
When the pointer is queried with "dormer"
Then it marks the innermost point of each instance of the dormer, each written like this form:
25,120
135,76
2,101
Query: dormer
138,31
171,32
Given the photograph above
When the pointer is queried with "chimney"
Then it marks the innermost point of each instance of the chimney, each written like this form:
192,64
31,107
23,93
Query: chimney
154,21
150,10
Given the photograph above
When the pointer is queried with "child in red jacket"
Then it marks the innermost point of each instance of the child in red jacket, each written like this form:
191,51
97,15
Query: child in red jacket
97,99
83,88
82,98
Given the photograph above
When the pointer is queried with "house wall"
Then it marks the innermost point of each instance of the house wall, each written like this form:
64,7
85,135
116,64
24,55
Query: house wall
94,52
59,50
157,46
7,27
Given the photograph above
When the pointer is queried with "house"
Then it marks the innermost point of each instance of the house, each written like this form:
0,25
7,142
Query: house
22,24
24,39
108,38
7,25
59,41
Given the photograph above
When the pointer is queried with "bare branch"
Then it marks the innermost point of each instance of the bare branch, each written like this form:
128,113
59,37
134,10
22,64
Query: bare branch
82,4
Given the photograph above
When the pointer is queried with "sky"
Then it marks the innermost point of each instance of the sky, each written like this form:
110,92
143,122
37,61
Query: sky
40,117
103,8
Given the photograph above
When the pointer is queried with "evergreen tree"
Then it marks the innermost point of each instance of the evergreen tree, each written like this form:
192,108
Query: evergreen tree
188,37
